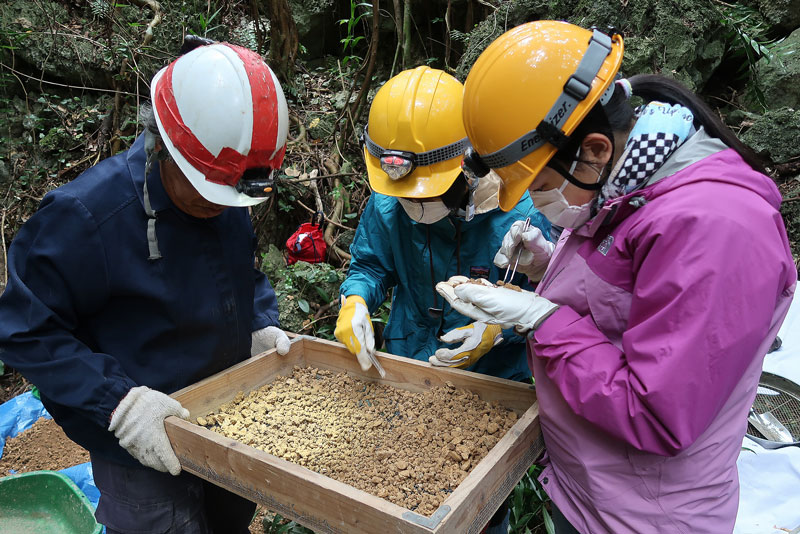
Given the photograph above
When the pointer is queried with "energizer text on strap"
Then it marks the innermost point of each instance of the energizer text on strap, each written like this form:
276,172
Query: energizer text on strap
575,90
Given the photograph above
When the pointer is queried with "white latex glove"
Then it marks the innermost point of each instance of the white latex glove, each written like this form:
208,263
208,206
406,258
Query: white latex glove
354,329
523,310
534,251
478,339
269,338
138,423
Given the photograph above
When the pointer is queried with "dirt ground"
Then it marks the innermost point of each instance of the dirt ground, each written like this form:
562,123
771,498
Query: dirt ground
11,384
42,446
45,446
409,448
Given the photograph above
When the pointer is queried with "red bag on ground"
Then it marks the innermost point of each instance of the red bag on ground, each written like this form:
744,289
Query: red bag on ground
306,244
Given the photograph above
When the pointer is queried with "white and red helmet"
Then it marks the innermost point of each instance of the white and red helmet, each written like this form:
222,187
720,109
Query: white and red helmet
221,111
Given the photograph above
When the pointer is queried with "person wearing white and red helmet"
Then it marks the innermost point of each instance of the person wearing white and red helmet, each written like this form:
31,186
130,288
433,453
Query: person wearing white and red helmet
137,279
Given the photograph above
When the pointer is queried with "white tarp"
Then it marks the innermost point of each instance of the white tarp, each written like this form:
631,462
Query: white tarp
769,497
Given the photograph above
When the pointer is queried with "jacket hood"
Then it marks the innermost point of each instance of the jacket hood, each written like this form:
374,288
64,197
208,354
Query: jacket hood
726,166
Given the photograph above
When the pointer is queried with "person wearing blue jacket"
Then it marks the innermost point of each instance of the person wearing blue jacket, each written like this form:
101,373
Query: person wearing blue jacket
137,279
422,224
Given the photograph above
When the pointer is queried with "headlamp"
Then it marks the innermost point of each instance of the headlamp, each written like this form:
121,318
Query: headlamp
397,163
257,183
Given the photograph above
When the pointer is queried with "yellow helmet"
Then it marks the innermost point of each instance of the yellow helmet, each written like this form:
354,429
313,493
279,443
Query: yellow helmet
529,90
415,137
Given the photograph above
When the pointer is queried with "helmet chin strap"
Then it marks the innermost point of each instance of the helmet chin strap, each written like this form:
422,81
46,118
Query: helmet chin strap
568,176
152,156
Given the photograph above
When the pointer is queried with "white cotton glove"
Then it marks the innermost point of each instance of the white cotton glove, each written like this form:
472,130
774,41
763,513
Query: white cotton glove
478,338
269,338
534,251
354,329
138,423
523,310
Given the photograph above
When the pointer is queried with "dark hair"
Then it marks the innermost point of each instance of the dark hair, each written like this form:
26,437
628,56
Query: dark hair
663,89
456,195
616,116
147,118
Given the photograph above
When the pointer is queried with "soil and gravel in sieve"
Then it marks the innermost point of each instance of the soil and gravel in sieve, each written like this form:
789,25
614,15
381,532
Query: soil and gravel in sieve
410,448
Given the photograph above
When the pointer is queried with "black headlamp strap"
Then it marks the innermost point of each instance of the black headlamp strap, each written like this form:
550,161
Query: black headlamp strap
575,91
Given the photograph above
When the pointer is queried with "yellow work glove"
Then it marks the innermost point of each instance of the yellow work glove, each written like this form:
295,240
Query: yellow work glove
354,329
477,339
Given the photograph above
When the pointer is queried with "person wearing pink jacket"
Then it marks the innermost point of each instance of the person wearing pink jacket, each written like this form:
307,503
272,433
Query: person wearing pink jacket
669,282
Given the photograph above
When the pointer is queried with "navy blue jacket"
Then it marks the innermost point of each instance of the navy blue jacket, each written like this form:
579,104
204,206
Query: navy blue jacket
86,316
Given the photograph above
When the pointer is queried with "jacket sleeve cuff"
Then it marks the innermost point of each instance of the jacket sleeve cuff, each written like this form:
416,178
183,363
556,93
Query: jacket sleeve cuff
263,320
554,324
112,399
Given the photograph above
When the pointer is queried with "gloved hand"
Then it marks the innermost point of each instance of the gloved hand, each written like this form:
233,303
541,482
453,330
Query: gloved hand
534,251
523,310
138,423
478,338
269,338
354,329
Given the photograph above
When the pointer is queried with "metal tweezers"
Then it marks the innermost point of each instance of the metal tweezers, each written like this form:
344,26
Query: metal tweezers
508,278
377,364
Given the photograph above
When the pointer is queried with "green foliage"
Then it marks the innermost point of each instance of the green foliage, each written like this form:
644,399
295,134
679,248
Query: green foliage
529,515
358,10
205,21
46,135
303,289
100,8
278,525
747,42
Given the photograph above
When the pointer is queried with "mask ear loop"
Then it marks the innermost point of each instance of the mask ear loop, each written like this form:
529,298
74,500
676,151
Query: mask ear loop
571,169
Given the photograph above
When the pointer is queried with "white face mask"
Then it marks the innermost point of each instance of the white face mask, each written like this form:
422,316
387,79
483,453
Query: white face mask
554,206
425,212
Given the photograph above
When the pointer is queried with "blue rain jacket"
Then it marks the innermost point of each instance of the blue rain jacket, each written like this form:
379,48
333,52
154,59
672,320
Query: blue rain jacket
86,316
390,250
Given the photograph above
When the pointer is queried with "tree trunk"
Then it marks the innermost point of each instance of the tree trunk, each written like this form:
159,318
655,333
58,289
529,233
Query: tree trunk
357,106
398,25
283,39
407,34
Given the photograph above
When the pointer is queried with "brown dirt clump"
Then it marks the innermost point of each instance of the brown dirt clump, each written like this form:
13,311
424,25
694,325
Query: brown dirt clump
409,448
500,283
509,285
42,446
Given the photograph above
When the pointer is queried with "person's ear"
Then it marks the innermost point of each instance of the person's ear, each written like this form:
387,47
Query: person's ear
597,149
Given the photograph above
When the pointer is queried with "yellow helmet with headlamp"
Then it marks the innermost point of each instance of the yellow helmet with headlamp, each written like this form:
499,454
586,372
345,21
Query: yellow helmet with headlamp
415,138
528,91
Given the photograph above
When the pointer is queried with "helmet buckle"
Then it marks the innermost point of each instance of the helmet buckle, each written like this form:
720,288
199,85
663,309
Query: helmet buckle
397,163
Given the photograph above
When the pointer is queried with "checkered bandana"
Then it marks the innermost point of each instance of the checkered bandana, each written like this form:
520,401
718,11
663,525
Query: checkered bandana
659,130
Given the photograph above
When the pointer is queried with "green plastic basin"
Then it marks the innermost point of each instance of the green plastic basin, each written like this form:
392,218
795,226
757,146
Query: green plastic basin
44,502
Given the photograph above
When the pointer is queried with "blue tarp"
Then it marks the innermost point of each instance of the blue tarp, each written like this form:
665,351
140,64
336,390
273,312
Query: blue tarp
19,414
